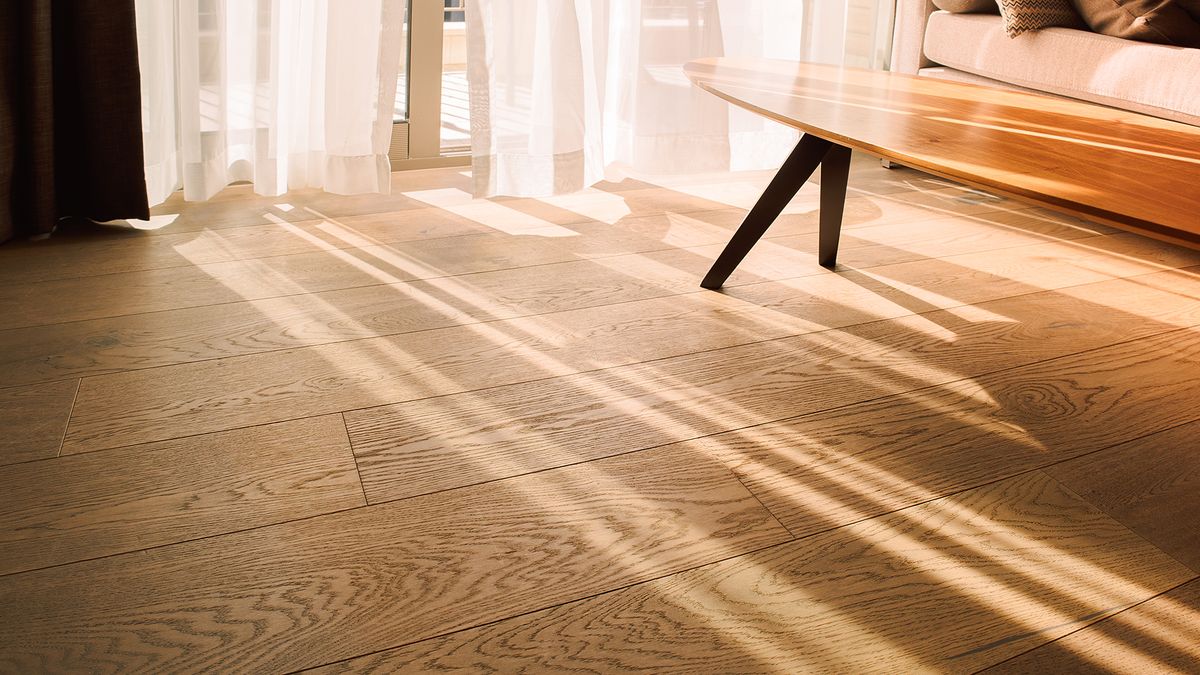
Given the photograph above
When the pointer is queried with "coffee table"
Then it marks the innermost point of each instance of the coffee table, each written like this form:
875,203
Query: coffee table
1112,166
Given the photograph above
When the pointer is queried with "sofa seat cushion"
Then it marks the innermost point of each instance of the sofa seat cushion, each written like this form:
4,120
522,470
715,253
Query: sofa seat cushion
1158,80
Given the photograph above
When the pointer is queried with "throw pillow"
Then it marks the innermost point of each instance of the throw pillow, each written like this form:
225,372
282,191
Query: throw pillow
970,6
1163,21
1021,16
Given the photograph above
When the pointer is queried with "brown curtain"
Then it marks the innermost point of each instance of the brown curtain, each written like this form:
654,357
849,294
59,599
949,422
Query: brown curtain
70,114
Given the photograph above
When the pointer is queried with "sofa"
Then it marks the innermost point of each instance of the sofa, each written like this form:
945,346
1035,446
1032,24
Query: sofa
1154,79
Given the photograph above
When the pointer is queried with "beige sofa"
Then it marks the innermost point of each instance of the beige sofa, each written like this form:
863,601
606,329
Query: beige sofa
1147,78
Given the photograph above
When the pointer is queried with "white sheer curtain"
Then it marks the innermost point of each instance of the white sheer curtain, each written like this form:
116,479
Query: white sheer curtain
567,92
284,93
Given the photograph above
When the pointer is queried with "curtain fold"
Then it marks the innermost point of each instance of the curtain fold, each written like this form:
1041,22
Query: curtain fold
283,93
70,130
565,93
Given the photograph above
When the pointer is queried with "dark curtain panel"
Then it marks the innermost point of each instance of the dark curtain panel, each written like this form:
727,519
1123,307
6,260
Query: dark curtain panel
70,114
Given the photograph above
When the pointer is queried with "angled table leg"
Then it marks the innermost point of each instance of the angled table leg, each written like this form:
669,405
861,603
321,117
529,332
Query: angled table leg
835,172
800,165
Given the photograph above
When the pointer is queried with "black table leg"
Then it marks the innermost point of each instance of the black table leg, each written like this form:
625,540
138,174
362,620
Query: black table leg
809,153
835,171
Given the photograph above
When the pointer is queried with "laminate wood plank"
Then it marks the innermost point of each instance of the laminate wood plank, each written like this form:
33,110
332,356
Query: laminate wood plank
426,445
933,237
611,233
937,236
789,254
352,257
135,342
215,283
305,593
155,339
100,504
113,250
149,405
1151,485
111,344
980,277
231,208
912,447
913,278
1160,635
238,205
582,206
238,209
609,207
863,209
875,233
33,419
949,586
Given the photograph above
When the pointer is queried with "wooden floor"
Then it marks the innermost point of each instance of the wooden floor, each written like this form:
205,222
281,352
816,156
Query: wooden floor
423,432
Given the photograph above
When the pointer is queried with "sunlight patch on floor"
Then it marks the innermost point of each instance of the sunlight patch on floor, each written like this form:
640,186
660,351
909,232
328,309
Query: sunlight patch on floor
489,213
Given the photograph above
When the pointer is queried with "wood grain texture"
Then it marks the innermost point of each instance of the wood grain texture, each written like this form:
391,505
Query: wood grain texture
863,209
1160,635
127,499
34,419
305,593
189,334
143,406
980,277
934,236
114,250
1107,164
425,445
238,205
134,342
976,578
216,283
624,353
912,447
1151,485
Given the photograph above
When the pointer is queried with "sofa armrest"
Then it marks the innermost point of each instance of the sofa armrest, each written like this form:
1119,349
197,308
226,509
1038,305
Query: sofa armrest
908,38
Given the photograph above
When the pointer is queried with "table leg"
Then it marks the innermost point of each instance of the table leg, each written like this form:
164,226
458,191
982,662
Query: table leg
809,153
835,172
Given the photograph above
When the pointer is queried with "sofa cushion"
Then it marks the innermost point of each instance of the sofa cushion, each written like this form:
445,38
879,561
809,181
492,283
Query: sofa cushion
1153,79
969,6
1022,16
1163,21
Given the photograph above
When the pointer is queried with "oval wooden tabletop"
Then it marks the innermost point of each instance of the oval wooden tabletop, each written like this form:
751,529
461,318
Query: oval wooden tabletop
1112,165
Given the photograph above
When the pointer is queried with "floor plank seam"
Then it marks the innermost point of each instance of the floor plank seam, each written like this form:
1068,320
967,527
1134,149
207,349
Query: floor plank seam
1139,535
185,541
1166,330
761,502
1090,625
823,470
354,455
793,535
698,291
794,539
583,221
549,607
730,284
70,412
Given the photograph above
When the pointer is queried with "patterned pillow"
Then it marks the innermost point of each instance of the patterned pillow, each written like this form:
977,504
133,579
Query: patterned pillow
1026,15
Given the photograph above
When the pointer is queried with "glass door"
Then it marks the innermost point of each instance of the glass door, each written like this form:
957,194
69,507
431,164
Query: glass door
431,124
